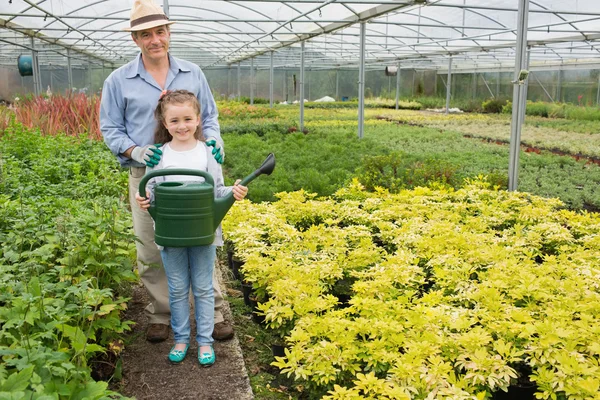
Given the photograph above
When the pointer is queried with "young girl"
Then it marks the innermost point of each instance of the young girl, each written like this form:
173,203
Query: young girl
178,128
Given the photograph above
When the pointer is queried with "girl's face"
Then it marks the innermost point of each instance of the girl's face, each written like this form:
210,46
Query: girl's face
181,121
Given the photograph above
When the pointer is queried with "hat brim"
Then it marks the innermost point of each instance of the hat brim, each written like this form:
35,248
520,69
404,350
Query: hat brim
148,25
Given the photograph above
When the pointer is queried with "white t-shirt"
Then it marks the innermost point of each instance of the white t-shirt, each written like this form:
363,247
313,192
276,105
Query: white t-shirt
189,159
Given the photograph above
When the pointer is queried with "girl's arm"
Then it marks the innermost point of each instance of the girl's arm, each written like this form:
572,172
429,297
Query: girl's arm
214,168
239,191
143,202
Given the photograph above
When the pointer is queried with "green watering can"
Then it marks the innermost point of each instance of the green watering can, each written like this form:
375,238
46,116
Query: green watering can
187,213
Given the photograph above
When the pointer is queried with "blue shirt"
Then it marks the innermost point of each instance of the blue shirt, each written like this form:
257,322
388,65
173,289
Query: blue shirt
130,96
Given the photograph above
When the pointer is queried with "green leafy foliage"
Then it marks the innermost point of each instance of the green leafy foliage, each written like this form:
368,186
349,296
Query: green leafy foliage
66,252
396,171
558,110
493,106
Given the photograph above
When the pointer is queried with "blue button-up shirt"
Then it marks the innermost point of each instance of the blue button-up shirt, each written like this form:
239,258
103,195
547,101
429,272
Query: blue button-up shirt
130,96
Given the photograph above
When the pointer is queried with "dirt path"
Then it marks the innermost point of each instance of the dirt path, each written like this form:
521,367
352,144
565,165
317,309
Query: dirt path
148,375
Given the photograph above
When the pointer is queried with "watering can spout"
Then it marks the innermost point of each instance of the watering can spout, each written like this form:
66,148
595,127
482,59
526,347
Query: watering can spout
223,204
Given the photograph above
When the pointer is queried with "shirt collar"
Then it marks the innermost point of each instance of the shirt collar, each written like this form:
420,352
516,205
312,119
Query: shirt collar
137,67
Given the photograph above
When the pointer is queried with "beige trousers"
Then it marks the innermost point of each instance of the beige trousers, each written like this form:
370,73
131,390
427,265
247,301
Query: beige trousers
149,263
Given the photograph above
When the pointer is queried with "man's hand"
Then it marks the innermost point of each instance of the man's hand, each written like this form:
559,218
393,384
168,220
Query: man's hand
218,151
149,155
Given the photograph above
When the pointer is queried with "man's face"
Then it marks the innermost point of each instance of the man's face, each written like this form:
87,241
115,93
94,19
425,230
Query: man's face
153,42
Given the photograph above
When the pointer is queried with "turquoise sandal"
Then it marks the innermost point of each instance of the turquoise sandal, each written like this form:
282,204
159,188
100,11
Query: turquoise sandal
207,359
177,356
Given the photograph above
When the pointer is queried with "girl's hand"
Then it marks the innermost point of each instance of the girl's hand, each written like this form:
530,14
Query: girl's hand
239,191
143,202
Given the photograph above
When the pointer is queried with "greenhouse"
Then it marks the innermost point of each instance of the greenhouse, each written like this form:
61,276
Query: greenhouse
430,229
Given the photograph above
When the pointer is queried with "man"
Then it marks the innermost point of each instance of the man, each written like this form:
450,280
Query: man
129,97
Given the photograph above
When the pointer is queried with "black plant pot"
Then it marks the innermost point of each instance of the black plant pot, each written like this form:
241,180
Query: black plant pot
517,393
344,300
247,291
230,258
278,350
237,273
258,318
256,313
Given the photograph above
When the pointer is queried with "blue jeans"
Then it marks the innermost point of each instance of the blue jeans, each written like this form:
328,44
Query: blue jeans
193,266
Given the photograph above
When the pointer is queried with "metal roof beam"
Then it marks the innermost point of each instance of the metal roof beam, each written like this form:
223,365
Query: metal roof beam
363,16
30,33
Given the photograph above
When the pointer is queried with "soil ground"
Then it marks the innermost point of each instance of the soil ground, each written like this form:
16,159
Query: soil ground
148,375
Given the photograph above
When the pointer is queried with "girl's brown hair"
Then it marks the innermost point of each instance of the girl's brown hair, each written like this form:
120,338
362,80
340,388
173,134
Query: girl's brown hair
161,134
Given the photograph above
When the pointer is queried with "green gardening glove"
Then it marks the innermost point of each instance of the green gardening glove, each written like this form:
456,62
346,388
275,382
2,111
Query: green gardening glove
149,154
218,152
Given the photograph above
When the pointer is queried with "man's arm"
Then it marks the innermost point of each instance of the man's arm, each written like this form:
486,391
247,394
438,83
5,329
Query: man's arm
112,121
210,114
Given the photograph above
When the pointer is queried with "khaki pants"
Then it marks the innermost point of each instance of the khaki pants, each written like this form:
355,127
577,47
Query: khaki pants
149,263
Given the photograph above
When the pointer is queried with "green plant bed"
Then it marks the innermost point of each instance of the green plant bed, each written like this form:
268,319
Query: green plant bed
66,257
330,155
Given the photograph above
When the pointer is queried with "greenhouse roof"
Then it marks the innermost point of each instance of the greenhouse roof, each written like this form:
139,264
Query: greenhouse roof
479,34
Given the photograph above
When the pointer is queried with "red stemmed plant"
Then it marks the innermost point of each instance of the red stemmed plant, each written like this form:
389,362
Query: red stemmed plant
74,114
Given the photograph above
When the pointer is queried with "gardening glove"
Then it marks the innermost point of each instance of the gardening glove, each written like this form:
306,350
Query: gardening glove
149,154
218,151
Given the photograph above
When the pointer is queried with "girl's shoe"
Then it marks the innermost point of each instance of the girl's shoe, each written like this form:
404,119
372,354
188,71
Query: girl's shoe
177,356
208,358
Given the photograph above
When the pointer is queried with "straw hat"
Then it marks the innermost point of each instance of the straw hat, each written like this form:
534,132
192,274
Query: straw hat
145,15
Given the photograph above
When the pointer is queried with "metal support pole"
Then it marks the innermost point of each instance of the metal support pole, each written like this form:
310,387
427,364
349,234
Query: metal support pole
361,81
39,72
271,82
519,95
166,7
559,86
36,77
498,84
337,85
398,86
413,83
464,11
598,93
285,86
487,86
449,84
308,84
228,80
90,90
252,80
474,85
302,86
239,81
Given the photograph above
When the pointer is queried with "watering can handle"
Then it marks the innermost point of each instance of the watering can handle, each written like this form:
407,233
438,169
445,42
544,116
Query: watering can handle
175,171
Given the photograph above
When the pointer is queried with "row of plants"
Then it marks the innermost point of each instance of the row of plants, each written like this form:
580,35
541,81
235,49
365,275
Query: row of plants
66,252
237,110
331,154
557,110
429,315
371,103
536,133
74,114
